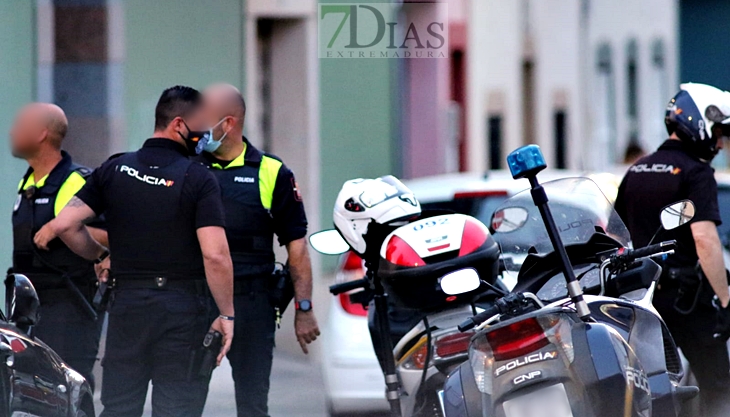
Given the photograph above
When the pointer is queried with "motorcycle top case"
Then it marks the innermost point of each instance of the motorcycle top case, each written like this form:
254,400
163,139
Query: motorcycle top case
416,256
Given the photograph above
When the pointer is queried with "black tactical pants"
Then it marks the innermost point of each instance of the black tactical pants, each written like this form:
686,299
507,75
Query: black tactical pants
708,358
69,330
151,336
252,351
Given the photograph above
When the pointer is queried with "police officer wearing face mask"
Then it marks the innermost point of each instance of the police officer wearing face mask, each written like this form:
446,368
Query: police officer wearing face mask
261,200
698,120
166,230
65,281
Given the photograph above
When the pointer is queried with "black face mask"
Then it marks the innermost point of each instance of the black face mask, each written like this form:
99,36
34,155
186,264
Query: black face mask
193,140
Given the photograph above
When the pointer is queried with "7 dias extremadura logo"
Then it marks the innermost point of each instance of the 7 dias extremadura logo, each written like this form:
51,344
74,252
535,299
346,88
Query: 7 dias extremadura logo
383,30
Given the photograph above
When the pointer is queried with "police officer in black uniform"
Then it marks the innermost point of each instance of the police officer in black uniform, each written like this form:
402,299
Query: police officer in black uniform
166,233
697,119
65,281
261,199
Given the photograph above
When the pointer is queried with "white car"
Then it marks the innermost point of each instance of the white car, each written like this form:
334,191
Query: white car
353,379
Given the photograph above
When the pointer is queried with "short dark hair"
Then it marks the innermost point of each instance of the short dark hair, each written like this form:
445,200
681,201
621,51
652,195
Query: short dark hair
177,101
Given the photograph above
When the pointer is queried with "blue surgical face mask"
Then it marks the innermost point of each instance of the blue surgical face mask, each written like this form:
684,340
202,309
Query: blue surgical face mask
208,143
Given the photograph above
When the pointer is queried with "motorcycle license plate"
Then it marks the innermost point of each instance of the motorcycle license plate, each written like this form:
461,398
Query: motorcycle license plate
551,401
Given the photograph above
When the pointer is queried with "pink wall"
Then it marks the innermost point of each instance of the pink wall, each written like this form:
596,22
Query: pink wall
425,114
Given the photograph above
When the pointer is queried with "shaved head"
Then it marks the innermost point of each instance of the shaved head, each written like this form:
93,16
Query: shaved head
54,120
226,100
38,125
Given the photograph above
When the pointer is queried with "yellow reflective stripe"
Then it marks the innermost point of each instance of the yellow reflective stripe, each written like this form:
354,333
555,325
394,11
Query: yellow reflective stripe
236,163
40,183
70,187
268,172
31,182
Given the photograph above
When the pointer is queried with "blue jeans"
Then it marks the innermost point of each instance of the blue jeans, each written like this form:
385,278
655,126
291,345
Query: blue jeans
151,336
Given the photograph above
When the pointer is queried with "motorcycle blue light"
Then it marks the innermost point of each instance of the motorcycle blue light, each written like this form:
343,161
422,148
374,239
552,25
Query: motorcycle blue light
526,161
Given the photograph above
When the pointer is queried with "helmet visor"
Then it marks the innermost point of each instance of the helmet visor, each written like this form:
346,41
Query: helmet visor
715,115
392,187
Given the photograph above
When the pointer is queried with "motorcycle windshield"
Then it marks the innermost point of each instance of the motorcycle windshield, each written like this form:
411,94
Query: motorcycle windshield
579,209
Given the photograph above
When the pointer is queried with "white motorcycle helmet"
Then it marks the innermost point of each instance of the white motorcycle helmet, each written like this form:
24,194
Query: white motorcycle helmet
700,116
383,200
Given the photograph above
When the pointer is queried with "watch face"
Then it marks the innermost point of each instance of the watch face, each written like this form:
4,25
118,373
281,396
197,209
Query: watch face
305,305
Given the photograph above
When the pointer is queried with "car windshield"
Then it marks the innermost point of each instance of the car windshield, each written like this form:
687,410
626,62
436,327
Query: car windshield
578,207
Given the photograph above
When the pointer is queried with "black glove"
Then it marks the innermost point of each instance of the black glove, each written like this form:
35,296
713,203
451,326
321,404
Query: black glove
722,328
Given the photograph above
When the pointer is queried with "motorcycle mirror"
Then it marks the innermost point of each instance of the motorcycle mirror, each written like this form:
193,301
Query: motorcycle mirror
22,302
509,219
328,242
677,214
460,282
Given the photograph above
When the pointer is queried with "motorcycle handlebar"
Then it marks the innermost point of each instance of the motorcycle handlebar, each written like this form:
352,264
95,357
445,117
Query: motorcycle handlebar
338,289
480,318
646,252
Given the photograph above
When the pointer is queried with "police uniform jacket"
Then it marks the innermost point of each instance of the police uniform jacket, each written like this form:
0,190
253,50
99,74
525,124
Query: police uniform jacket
154,201
669,175
38,202
261,199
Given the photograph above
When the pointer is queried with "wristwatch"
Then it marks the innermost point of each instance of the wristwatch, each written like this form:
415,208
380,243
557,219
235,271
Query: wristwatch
101,258
303,305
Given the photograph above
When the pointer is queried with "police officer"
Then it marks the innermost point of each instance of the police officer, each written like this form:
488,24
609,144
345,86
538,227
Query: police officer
166,234
65,281
261,199
697,119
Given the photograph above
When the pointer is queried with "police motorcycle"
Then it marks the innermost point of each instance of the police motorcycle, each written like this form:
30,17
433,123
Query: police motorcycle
578,335
438,267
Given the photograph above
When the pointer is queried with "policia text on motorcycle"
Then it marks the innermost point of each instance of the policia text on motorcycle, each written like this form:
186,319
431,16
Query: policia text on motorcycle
65,281
698,120
261,199
166,230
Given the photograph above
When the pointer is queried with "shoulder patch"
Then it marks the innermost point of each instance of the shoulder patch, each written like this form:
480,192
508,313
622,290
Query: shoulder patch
297,191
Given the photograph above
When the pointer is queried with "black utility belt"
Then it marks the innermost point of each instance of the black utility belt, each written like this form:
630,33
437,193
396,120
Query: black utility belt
193,286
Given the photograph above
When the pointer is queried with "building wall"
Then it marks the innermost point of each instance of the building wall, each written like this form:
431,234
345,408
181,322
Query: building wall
493,68
555,37
645,22
171,42
425,101
17,69
561,39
